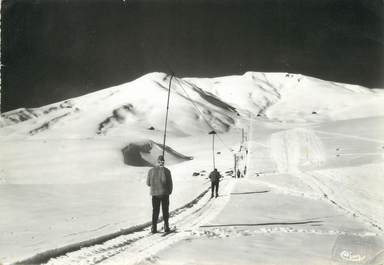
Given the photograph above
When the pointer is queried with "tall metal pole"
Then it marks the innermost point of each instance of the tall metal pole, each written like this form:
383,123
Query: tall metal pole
166,116
213,147
213,150
235,167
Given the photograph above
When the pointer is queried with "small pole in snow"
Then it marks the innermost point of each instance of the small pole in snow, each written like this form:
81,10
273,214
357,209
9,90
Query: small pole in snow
235,167
213,147
166,115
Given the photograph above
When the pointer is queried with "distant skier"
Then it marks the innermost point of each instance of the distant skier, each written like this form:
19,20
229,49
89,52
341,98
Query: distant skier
159,179
215,176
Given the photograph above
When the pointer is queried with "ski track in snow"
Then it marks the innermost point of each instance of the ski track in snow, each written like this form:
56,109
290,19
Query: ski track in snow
290,191
351,136
295,147
289,149
141,245
225,232
334,198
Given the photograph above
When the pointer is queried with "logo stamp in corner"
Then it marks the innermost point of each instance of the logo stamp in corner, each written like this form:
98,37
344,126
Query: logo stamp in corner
355,249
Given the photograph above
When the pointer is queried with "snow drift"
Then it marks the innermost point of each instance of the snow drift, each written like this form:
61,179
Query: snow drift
144,154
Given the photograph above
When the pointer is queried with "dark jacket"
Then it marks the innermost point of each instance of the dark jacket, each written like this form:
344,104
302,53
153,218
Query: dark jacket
160,181
215,176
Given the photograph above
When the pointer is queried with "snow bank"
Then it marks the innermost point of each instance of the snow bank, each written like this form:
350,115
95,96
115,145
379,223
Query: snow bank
352,177
357,188
145,154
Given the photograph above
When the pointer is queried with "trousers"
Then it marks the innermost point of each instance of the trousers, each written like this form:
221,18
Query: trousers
156,201
215,188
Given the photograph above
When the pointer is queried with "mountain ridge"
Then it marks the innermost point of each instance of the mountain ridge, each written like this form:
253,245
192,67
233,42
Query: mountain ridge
201,104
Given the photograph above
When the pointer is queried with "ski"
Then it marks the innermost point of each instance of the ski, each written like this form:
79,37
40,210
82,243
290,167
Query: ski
172,230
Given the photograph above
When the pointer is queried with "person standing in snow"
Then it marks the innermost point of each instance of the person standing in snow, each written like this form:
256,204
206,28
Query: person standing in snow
159,180
215,176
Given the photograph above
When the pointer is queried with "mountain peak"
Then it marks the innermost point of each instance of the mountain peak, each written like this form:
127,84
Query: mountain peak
196,105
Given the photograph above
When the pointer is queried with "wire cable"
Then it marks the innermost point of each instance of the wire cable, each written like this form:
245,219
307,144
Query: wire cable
165,62
202,114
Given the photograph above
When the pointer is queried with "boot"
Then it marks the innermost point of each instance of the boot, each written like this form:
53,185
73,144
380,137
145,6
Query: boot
166,227
154,229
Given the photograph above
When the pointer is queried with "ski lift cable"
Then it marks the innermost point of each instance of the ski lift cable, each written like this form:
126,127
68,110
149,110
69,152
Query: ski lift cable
173,74
193,103
202,114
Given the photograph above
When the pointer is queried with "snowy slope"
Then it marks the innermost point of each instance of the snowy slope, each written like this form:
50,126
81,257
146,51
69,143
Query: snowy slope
339,160
72,166
141,103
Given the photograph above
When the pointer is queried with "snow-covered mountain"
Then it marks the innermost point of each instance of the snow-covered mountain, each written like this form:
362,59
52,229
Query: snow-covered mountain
140,105
75,171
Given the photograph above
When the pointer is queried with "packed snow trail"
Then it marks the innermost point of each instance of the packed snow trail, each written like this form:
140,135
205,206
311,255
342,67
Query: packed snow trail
292,149
259,225
351,136
137,246
316,179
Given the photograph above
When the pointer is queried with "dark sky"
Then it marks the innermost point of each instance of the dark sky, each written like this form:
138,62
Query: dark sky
57,49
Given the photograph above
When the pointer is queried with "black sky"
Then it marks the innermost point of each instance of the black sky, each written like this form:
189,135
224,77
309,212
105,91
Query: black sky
57,49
